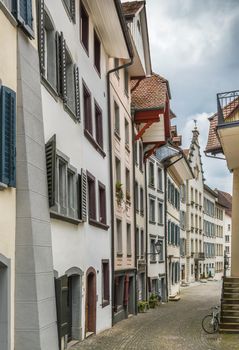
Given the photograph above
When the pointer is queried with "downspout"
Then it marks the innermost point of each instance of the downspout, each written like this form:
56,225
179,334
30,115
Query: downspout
112,188
146,220
166,166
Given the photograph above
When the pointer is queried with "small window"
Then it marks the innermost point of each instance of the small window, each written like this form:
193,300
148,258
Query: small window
91,196
119,236
142,244
102,204
105,283
116,64
141,201
129,252
98,126
117,118
136,189
84,27
87,109
152,210
126,82
97,52
137,243
151,174
126,128
160,213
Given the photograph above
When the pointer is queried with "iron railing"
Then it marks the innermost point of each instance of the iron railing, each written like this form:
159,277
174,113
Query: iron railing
227,103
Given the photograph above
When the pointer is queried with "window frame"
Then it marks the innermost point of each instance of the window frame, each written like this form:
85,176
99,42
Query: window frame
97,52
105,282
84,44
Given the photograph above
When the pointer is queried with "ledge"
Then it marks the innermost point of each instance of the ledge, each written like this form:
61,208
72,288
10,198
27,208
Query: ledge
91,139
98,224
105,303
62,217
49,87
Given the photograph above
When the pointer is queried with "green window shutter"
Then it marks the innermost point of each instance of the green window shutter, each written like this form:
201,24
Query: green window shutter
83,195
77,92
73,10
51,169
22,10
41,36
62,68
8,137
61,290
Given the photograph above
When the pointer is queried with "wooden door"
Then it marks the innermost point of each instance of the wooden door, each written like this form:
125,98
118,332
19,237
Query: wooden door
90,308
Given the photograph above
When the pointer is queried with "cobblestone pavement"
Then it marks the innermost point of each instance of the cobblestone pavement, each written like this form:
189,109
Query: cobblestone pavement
175,325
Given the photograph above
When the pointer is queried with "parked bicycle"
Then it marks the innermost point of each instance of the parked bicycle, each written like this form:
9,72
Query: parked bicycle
210,323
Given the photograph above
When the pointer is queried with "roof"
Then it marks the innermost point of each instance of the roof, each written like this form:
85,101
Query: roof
130,8
186,152
149,92
225,199
213,143
210,190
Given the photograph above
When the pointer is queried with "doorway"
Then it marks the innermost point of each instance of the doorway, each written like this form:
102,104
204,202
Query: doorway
4,306
90,303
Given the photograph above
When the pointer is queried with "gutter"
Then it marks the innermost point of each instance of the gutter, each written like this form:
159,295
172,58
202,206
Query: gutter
112,188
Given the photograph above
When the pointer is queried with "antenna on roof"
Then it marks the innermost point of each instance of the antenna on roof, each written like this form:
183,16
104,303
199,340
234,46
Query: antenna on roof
195,122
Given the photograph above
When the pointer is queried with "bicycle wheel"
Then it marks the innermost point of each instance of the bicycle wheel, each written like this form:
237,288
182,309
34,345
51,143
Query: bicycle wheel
209,324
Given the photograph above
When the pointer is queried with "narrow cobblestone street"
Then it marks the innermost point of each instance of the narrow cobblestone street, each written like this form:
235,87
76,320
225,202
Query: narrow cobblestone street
176,326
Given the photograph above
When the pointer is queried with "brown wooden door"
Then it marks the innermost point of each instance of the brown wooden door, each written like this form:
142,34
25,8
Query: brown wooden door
90,307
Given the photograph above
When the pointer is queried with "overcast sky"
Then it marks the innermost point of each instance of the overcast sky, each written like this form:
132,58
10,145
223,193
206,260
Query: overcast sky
195,45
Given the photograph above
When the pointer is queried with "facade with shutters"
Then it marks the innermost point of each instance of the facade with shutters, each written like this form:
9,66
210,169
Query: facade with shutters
74,98
8,88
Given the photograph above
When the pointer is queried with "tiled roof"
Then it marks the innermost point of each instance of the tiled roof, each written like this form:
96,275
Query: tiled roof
225,199
149,92
213,143
130,8
230,108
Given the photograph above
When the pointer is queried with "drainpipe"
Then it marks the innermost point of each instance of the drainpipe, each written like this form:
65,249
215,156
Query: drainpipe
166,166
146,226
112,187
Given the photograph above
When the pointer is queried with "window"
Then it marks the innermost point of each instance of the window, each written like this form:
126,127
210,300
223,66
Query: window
172,233
160,213
97,52
151,210
98,126
119,237
227,238
70,6
126,82
116,64
23,13
127,182
161,255
169,232
70,84
87,109
118,170
136,196
84,27
105,283
137,243
126,132
229,227
227,249
135,152
129,252
102,204
91,196
192,269
160,179
182,220
151,174
141,156
117,118
7,137
183,193
152,250
47,50
141,201
142,243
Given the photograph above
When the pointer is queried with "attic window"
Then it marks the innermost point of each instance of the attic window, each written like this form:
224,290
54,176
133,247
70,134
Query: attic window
139,26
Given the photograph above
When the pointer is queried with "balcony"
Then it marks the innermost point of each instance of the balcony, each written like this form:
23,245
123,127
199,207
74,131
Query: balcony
199,256
228,126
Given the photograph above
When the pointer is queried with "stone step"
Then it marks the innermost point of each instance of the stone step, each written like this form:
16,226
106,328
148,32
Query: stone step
232,284
228,331
229,313
229,319
231,290
227,307
229,325
229,295
231,279
234,301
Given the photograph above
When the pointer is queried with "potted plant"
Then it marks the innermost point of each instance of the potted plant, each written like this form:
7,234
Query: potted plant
128,196
153,301
119,192
143,306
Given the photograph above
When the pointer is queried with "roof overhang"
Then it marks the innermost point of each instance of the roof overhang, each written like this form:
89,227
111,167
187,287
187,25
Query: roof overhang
229,138
108,18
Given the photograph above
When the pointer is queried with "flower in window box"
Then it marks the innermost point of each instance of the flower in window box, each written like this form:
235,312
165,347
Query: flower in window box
119,192
128,197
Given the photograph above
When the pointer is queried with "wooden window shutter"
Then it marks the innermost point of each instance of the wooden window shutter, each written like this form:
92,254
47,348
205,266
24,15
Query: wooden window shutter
8,136
51,169
83,195
22,10
73,10
77,92
61,289
41,36
62,87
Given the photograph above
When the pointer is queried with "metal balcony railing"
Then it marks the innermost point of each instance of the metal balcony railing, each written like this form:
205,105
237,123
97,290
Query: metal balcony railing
227,104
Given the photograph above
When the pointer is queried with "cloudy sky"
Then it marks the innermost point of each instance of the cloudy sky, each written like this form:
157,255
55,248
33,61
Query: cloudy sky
195,45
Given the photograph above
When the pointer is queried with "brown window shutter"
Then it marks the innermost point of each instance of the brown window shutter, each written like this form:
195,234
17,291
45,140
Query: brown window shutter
62,68
99,127
41,36
73,10
77,92
51,168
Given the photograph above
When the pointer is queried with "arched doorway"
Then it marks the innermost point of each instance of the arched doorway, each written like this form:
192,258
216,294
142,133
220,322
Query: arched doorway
90,302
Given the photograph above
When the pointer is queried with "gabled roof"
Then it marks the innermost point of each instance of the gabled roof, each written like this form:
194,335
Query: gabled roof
130,8
213,143
225,199
149,92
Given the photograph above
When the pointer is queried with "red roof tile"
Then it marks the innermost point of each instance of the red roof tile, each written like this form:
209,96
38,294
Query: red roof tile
149,92
225,199
130,8
213,143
